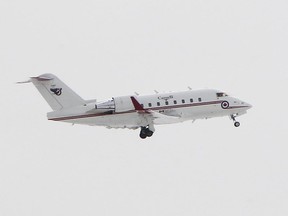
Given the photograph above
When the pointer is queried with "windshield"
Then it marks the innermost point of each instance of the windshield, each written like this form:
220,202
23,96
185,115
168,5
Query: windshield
221,94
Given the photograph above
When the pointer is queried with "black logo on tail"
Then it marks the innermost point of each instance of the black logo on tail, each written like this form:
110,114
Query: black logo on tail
56,91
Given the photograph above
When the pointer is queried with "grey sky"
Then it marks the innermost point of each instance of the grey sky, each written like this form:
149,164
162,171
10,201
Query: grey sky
108,48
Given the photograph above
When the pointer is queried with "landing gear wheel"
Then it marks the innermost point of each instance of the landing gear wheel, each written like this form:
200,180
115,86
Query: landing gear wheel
225,105
145,132
236,124
143,136
148,133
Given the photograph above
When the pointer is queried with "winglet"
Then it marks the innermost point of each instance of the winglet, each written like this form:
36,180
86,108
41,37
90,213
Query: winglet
137,105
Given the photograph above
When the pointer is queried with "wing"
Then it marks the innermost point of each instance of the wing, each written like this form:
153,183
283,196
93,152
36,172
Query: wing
157,118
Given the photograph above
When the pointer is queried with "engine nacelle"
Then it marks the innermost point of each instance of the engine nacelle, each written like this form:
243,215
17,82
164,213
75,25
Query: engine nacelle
123,104
107,105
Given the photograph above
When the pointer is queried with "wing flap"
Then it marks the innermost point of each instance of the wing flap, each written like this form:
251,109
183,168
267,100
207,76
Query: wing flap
159,118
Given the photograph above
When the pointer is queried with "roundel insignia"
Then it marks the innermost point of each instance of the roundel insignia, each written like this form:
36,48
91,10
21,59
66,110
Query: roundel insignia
225,104
56,91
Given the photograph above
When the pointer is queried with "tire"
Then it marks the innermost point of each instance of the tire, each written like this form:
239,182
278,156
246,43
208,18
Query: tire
225,105
143,136
237,124
149,133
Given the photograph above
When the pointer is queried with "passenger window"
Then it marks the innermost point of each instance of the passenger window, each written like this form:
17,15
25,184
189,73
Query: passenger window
142,105
175,102
158,103
199,99
167,103
183,101
149,104
191,100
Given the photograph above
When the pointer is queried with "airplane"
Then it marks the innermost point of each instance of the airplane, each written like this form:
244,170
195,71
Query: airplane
135,111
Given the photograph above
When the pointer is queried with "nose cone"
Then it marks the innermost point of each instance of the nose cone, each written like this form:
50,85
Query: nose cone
247,105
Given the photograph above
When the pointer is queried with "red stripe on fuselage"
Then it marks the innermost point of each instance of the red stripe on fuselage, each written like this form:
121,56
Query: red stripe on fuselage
133,111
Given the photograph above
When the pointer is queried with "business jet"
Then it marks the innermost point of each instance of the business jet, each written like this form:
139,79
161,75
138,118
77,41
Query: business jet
134,111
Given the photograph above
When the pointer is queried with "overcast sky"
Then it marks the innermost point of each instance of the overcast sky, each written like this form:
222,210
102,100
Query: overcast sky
109,48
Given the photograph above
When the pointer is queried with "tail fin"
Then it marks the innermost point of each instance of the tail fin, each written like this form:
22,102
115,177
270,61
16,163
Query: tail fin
57,94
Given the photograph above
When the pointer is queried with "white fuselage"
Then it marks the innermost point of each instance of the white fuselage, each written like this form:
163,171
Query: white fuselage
176,107
135,111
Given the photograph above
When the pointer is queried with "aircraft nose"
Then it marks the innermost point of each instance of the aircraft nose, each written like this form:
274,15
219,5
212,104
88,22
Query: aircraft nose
249,106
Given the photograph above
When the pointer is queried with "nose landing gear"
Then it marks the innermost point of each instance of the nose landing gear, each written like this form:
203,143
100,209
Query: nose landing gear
236,123
145,132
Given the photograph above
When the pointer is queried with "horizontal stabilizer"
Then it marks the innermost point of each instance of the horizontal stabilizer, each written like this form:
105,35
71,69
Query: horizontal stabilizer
39,78
23,82
42,78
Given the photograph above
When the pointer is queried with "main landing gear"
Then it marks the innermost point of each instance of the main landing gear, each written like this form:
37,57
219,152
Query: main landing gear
236,123
145,132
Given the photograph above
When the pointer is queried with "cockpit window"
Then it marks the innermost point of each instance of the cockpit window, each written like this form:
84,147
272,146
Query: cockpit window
221,94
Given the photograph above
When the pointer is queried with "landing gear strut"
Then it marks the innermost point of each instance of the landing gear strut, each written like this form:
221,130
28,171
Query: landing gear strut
236,123
145,132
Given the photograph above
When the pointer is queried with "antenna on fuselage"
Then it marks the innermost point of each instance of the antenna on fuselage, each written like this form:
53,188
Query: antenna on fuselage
136,93
156,91
189,88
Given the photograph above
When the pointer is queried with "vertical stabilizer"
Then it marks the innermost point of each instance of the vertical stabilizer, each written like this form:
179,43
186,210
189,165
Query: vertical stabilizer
57,94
